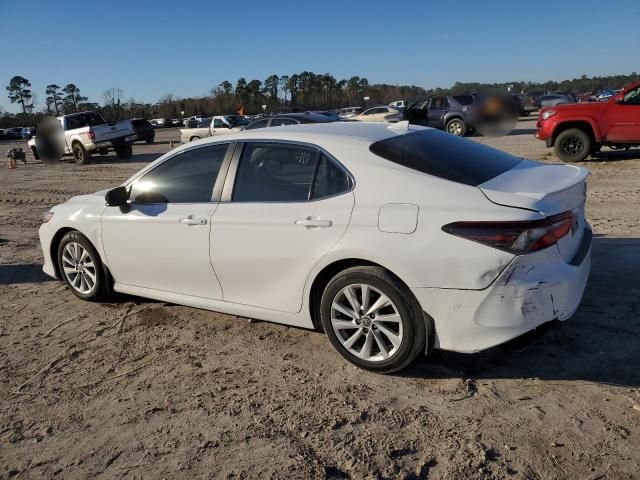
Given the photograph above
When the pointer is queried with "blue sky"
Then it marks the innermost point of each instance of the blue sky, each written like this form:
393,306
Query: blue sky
151,47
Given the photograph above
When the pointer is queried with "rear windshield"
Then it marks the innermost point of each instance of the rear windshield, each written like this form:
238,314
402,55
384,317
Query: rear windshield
464,99
446,156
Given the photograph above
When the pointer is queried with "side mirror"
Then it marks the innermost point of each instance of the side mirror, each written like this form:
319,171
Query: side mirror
117,197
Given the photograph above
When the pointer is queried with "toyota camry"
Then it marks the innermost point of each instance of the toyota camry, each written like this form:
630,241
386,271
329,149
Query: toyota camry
392,239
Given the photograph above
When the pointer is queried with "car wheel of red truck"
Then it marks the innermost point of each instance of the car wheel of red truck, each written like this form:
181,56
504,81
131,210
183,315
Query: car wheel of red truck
573,145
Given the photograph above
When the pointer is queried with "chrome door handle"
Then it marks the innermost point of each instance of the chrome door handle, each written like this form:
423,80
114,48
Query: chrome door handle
191,220
314,222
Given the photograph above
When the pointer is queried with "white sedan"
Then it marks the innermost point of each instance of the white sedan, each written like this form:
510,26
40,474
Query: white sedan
394,240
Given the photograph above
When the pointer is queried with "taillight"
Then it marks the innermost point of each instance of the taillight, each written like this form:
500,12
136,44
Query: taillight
91,135
515,237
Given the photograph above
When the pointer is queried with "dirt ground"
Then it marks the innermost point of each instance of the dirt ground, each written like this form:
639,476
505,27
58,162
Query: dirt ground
141,389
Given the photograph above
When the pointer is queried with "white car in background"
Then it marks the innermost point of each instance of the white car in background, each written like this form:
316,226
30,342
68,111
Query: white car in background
393,239
375,114
398,104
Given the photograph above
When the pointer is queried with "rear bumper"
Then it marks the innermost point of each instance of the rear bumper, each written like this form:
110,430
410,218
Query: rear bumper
533,289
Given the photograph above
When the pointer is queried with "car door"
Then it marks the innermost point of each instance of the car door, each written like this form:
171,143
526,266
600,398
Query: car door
438,109
161,241
284,206
218,127
624,118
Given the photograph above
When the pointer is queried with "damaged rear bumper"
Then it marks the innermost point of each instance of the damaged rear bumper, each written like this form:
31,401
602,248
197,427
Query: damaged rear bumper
533,289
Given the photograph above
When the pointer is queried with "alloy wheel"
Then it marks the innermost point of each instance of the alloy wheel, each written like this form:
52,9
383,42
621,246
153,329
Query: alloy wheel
572,146
366,322
79,268
455,127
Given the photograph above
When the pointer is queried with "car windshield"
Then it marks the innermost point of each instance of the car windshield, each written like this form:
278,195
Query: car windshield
445,156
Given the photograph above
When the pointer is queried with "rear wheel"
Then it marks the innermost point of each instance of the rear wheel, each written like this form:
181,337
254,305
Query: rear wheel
573,145
80,154
81,268
192,139
372,320
456,126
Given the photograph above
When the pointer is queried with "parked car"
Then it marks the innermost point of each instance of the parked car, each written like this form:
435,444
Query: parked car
374,114
349,112
218,125
86,133
143,130
449,254
289,119
554,99
452,113
331,114
3,134
398,104
532,103
578,130
193,121
27,132
158,122
175,122
14,133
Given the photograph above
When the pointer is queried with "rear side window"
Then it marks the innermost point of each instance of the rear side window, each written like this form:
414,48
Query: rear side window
445,156
331,180
276,172
464,100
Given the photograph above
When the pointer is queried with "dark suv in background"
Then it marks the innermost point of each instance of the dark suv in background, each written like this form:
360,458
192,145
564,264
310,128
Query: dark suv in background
144,130
452,113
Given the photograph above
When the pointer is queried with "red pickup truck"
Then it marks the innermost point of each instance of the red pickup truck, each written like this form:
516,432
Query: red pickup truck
579,129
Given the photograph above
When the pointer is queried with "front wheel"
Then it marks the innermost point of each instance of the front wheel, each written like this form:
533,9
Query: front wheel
81,268
372,319
456,126
573,145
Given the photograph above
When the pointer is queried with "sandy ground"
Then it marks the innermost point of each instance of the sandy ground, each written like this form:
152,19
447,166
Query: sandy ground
139,389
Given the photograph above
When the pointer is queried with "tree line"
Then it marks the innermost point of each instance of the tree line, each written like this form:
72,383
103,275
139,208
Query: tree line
305,90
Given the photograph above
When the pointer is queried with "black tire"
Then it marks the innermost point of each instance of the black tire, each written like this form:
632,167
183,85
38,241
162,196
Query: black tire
100,289
194,138
456,126
526,113
80,154
124,152
573,145
414,332
150,140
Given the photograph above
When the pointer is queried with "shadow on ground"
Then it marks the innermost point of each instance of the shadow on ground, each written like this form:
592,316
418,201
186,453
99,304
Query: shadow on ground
22,273
600,343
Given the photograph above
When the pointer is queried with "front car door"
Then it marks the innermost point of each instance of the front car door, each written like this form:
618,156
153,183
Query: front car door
161,241
284,206
624,118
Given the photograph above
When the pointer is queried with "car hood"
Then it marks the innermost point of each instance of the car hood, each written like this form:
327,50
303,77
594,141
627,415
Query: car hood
90,198
579,108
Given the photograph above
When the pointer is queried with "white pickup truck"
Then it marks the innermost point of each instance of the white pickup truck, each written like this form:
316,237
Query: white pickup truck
218,125
87,132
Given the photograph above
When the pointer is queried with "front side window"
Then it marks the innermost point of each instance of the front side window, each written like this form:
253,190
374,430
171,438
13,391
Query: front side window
218,123
632,97
188,177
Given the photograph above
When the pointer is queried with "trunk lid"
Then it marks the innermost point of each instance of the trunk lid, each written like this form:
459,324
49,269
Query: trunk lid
548,189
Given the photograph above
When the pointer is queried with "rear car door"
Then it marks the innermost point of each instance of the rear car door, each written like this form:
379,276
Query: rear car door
284,206
438,108
161,241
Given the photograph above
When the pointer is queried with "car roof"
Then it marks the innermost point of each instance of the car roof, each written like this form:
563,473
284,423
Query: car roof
323,132
314,117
